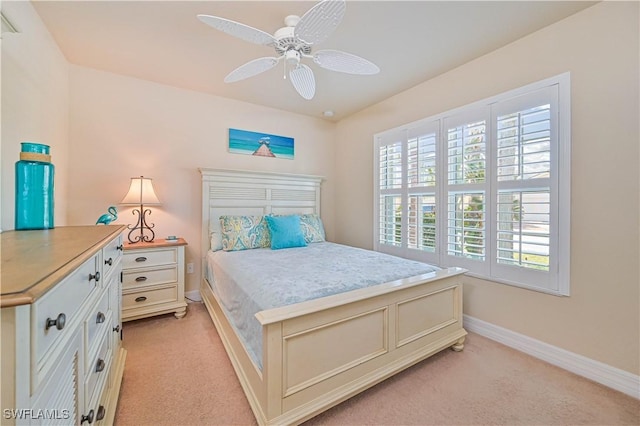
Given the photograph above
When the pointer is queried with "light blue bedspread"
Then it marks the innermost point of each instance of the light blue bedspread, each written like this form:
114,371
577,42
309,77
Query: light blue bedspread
250,281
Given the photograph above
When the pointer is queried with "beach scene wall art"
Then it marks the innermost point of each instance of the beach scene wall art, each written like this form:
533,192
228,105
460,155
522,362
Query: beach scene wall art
260,144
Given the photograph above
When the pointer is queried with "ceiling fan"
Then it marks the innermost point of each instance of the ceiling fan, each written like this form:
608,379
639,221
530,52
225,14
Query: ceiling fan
293,43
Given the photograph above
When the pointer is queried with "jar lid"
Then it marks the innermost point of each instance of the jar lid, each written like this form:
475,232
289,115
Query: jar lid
35,147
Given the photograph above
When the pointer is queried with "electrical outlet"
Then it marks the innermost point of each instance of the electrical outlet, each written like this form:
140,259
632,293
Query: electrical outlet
189,268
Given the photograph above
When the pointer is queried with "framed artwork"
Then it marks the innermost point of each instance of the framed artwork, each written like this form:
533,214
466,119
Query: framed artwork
260,144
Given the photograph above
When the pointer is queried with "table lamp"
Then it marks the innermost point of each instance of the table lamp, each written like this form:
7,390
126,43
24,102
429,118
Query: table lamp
141,193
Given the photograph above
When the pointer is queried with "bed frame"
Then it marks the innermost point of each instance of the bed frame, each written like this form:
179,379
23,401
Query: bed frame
319,353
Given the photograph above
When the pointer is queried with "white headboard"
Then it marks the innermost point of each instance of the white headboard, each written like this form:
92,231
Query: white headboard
240,192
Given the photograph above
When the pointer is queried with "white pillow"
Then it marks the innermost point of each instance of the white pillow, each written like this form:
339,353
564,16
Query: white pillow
215,236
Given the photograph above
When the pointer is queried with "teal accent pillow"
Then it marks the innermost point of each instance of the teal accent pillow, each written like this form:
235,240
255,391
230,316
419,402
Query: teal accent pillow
312,228
285,231
244,233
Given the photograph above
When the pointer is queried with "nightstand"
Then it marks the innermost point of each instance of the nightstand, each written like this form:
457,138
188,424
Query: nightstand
153,279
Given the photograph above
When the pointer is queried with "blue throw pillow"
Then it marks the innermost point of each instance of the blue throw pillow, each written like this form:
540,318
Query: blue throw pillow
285,232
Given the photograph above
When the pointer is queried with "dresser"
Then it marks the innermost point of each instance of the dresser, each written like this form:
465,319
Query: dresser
62,358
153,279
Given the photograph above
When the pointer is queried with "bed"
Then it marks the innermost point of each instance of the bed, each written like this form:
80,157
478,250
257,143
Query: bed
314,352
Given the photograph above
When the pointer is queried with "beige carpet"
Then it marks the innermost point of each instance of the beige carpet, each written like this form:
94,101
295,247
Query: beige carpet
177,373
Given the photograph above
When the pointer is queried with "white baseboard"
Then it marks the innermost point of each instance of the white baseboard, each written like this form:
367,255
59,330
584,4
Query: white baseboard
599,372
193,295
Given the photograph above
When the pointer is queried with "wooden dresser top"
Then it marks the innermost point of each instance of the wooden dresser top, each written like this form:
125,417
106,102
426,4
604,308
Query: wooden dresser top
32,262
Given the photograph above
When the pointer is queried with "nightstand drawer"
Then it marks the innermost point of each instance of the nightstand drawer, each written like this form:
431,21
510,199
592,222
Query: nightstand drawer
149,297
148,258
55,312
148,277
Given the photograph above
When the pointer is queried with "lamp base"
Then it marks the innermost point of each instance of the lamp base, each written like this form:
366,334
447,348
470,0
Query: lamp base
146,234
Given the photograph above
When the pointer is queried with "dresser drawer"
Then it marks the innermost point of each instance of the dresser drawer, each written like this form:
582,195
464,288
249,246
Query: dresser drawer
98,370
55,312
149,297
112,253
148,277
147,258
97,322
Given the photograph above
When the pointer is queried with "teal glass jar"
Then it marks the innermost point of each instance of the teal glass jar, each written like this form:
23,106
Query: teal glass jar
34,187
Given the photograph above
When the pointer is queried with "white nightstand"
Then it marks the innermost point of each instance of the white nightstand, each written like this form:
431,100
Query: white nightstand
153,279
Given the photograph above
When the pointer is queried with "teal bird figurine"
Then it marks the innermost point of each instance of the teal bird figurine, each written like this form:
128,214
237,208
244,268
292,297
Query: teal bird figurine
107,218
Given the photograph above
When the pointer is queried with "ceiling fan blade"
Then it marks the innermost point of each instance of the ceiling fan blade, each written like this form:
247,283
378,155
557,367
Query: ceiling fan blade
250,69
336,60
320,21
239,30
303,81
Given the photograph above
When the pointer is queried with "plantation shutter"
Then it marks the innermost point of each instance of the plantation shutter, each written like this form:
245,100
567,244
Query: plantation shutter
422,169
526,144
466,189
390,186
485,187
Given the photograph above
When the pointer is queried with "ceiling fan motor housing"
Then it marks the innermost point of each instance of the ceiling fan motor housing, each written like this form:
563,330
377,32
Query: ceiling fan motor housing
286,41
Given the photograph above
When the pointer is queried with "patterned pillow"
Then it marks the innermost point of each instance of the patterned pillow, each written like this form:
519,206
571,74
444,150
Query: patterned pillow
312,228
244,232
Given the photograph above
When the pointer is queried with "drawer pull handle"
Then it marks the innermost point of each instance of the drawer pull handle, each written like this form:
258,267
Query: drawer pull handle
101,412
100,318
119,247
88,418
116,328
99,366
141,279
141,259
59,322
95,276
109,262
141,299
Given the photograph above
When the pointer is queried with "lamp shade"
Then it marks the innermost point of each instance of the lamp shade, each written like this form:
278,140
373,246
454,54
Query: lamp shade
140,192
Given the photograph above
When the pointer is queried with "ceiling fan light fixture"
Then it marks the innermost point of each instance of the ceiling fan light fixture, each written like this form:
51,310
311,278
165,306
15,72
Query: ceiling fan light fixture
292,57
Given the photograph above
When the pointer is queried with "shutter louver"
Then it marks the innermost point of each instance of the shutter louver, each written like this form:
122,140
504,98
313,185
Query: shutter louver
466,225
524,144
523,229
391,220
422,222
391,166
467,149
422,161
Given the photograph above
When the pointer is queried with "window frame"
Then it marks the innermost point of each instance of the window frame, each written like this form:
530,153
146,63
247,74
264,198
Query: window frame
557,280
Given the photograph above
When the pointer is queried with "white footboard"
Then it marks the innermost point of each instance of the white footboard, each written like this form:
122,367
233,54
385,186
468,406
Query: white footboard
317,354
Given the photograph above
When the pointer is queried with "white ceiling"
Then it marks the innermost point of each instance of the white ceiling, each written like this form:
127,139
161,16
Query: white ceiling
411,41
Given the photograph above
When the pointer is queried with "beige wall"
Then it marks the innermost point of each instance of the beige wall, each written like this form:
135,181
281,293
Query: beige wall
123,127
600,47
35,99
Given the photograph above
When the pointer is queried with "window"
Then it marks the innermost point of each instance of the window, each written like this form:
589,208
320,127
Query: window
485,187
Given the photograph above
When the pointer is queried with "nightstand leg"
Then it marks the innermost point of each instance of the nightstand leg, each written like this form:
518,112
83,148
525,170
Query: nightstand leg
181,313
